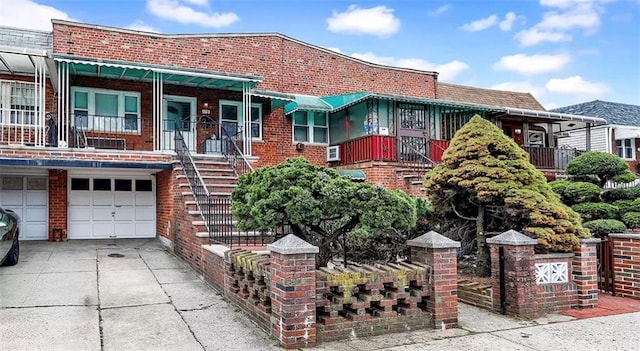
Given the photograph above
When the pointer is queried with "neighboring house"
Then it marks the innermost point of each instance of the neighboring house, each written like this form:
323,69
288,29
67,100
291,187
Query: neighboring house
620,136
101,127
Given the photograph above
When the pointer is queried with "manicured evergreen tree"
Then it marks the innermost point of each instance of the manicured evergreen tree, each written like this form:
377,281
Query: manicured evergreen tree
318,204
487,178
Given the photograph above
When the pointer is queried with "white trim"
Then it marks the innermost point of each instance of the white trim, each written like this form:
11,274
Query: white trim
239,106
91,106
310,126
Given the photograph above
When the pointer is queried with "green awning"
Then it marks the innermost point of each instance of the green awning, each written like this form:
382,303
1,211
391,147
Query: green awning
354,174
277,99
170,74
306,103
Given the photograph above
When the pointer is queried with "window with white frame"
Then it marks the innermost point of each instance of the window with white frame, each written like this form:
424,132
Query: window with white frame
106,110
624,148
17,102
310,127
231,118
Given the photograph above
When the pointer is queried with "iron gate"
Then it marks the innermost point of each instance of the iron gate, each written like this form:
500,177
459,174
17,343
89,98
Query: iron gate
605,265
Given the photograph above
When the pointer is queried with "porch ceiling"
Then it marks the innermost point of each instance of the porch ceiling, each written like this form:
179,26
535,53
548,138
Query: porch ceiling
170,75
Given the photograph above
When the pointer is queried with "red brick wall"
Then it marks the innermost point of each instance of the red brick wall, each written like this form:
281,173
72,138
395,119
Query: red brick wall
57,202
626,260
285,64
164,203
556,297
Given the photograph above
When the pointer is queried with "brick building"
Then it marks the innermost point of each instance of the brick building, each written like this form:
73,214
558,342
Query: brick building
103,131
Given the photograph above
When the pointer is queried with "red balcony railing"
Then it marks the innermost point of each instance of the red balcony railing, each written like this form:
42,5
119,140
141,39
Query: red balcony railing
437,149
368,148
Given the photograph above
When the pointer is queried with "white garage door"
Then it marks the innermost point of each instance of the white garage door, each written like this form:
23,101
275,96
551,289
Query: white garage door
27,196
114,207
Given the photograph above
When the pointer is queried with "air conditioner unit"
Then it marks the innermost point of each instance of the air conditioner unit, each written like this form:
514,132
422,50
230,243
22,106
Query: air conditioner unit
562,134
333,153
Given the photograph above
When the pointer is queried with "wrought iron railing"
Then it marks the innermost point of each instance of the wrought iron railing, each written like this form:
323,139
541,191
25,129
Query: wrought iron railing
232,152
21,127
551,157
201,193
410,156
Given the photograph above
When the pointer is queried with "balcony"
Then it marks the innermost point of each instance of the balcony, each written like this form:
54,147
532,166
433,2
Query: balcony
389,149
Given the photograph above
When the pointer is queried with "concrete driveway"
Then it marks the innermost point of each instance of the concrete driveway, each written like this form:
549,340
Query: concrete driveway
115,295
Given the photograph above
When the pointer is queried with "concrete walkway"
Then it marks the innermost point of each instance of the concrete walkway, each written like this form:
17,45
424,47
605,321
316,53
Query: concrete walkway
115,295
134,295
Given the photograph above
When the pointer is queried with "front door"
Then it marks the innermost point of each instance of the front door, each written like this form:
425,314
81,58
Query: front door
180,113
515,131
413,132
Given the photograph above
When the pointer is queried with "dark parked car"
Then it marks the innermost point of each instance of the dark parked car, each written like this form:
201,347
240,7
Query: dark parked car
9,232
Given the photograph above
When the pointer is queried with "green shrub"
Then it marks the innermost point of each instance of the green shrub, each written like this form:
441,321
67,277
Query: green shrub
625,206
626,177
596,210
601,165
631,219
604,227
558,186
612,195
580,192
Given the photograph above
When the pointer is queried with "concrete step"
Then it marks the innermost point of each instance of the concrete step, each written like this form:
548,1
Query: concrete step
216,193
212,185
211,176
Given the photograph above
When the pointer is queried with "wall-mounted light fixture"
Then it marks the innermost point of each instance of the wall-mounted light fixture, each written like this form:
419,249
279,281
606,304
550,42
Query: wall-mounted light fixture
206,107
518,131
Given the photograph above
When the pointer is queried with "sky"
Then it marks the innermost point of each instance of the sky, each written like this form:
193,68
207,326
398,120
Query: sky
562,51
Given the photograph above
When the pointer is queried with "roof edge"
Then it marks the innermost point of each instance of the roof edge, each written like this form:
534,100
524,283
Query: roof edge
223,35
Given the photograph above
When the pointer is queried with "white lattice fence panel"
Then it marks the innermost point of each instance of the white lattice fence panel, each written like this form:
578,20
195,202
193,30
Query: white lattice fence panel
554,272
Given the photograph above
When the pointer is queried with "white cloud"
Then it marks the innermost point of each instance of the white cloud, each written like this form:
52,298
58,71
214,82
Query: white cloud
550,106
334,49
440,10
141,26
198,2
563,19
481,24
378,20
174,10
534,36
29,14
509,19
532,64
576,85
522,87
447,71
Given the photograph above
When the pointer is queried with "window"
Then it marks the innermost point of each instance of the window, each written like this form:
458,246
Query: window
144,185
102,184
624,148
536,138
310,127
17,103
231,118
123,185
79,183
106,111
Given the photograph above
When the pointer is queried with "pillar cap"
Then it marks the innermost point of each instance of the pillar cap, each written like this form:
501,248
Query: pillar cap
433,240
512,238
624,236
291,244
590,241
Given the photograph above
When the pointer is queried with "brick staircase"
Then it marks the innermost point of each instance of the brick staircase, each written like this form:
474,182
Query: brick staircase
220,179
413,179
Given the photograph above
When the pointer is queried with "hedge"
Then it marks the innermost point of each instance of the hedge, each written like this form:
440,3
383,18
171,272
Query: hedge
604,227
596,210
625,206
631,219
558,186
580,192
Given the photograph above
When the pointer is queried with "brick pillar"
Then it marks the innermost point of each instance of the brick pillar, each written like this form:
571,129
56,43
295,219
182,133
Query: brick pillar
585,272
58,204
293,292
519,273
440,253
626,260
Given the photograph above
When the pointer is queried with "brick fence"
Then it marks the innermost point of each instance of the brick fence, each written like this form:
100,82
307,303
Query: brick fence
626,264
284,293
533,285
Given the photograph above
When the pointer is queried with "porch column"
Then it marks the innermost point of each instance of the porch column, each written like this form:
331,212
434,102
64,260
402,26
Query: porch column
158,112
552,139
246,119
588,136
63,104
39,77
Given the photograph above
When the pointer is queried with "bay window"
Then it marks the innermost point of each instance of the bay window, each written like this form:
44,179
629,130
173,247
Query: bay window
106,110
310,127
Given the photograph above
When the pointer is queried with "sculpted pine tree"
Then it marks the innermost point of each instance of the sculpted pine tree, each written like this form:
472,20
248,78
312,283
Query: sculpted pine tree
318,204
486,177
